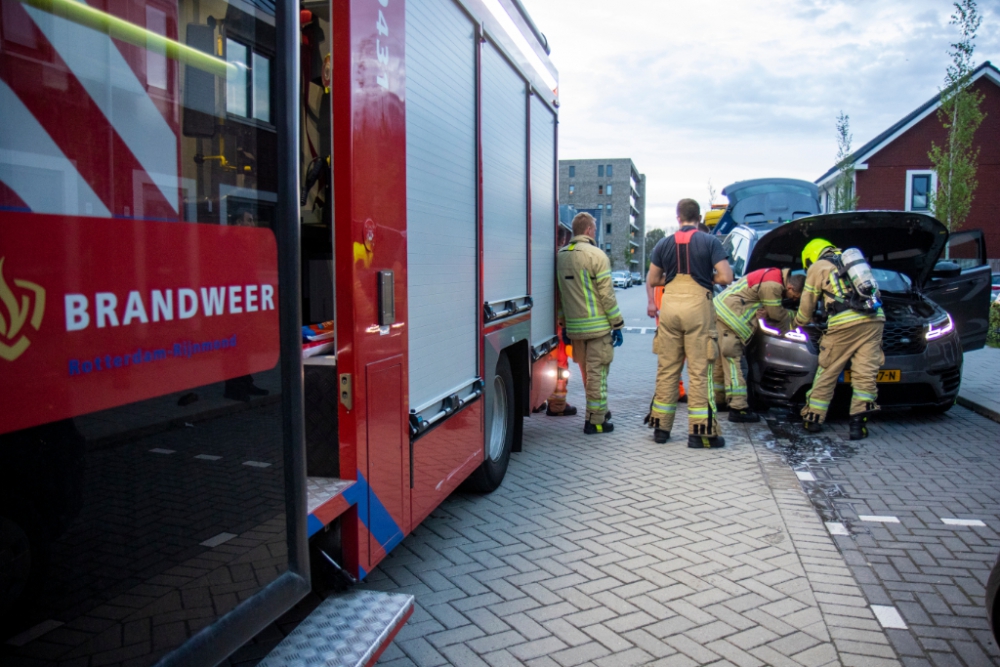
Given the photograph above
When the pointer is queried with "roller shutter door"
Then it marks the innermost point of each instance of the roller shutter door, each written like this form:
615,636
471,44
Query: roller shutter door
543,222
441,200
505,179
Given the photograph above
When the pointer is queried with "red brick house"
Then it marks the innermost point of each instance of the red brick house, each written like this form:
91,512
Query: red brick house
893,171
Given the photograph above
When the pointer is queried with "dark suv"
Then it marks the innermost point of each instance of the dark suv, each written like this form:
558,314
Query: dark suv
935,308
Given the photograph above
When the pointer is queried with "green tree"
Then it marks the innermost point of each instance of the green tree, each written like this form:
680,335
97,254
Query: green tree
653,237
957,161
844,198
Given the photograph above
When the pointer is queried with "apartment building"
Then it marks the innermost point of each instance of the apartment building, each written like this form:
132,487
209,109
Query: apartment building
614,192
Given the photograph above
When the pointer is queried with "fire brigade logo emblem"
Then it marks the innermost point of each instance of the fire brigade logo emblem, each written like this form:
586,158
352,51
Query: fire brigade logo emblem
15,306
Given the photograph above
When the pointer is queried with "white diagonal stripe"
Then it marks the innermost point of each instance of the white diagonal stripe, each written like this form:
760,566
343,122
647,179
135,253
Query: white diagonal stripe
964,522
837,528
888,617
34,167
100,67
879,519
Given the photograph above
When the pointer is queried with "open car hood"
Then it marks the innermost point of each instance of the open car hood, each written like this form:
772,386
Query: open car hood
909,243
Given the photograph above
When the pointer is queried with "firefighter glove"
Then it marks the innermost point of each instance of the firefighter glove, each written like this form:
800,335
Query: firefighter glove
616,338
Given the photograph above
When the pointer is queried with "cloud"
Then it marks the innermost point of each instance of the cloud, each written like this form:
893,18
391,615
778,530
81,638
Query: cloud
729,90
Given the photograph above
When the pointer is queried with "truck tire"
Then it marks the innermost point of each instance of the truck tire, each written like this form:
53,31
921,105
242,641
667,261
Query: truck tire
500,439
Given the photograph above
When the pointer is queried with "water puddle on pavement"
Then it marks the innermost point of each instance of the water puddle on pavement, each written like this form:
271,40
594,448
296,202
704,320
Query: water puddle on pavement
816,454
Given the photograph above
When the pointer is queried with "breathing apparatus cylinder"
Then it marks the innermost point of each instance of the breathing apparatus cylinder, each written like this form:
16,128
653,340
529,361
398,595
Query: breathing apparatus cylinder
860,274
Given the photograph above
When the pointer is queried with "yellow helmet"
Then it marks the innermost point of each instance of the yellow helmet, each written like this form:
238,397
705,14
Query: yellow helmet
813,250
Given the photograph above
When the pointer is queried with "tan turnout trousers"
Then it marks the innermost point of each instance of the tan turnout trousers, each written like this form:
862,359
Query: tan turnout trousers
686,330
730,355
595,356
861,345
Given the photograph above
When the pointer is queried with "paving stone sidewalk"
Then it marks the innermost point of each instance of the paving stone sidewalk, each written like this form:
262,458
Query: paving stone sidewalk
980,377
919,509
613,550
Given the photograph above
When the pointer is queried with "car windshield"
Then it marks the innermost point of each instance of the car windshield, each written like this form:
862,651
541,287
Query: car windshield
892,281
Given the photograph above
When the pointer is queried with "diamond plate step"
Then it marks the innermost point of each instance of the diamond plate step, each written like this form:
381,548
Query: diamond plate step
346,630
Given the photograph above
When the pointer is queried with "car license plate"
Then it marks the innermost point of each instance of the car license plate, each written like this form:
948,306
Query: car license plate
883,376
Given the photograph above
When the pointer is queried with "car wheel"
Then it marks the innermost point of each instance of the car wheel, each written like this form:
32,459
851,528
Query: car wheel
489,475
993,600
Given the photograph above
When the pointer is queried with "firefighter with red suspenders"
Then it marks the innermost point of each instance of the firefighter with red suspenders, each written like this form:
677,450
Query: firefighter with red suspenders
687,264
736,311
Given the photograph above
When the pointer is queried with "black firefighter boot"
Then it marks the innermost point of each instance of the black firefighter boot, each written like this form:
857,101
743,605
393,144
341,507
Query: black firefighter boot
660,436
706,442
811,424
859,427
744,416
591,429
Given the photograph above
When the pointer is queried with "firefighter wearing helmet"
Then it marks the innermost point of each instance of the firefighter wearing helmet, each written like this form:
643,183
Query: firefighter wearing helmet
840,288
760,292
589,316
688,264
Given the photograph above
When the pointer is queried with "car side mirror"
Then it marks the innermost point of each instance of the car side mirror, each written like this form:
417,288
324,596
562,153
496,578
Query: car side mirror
946,269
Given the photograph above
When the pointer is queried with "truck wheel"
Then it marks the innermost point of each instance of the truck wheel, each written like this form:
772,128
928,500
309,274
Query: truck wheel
500,439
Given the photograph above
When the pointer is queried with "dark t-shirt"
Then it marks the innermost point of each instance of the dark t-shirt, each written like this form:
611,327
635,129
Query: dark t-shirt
706,252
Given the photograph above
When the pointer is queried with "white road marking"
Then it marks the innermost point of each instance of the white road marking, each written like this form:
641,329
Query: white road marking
964,522
208,457
221,538
879,519
889,617
257,464
805,476
163,451
31,634
837,528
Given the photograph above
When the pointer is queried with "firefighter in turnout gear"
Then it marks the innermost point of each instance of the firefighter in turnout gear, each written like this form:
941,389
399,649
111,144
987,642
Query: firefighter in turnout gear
589,313
687,264
736,312
852,337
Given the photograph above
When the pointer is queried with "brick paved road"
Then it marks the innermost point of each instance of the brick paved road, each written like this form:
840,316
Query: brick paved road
919,470
612,550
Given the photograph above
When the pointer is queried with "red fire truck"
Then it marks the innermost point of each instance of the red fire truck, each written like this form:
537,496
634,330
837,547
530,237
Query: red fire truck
276,278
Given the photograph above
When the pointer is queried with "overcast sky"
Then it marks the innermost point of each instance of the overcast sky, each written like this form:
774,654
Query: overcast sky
730,90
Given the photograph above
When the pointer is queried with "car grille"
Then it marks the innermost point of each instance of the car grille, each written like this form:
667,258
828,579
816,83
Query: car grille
951,378
903,339
775,380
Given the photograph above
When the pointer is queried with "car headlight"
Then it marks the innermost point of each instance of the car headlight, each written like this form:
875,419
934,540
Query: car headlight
940,328
796,334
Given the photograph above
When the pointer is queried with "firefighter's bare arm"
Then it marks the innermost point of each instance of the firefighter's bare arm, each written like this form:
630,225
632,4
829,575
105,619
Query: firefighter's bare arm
654,278
723,273
605,289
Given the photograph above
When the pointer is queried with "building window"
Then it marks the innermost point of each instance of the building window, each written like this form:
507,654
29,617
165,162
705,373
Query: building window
600,170
608,172
608,190
919,192
609,205
572,189
572,171
607,228
248,84
920,187
607,246
600,189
